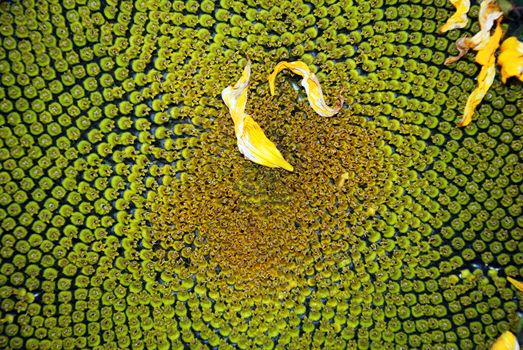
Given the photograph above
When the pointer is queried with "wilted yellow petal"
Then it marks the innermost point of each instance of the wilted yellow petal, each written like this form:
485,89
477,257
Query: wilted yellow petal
516,283
310,83
459,19
483,55
511,59
489,11
235,97
255,146
506,341
485,80
252,142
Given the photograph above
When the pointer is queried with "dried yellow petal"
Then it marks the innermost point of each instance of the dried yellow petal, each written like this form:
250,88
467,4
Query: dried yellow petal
484,54
459,19
252,142
511,59
485,80
255,146
235,97
516,283
310,83
489,11
506,341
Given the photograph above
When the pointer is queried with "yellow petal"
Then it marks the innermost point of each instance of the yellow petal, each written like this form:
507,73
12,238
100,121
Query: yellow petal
252,142
506,341
485,80
459,19
511,59
483,55
512,44
310,83
235,97
489,12
516,283
255,146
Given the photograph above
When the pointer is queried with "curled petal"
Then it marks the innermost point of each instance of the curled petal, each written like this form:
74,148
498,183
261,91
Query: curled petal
485,80
252,142
459,19
484,54
235,97
506,341
463,45
511,59
310,83
255,146
489,12
516,283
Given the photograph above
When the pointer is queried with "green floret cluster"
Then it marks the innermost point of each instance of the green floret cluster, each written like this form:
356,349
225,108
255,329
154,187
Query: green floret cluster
129,219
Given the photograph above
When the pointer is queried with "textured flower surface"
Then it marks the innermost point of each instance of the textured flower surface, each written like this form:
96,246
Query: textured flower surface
128,218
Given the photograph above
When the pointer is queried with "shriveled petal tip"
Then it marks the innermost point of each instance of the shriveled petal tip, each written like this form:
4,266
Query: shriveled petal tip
485,80
483,55
463,45
489,11
255,146
516,283
511,59
310,83
506,341
459,19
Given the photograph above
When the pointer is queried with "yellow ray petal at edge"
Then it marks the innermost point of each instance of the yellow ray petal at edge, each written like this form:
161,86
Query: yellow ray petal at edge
506,341
511,59
459,19
516,283
310,83
485,80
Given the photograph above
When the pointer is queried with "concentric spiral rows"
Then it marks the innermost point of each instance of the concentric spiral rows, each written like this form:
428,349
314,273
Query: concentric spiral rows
129,218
